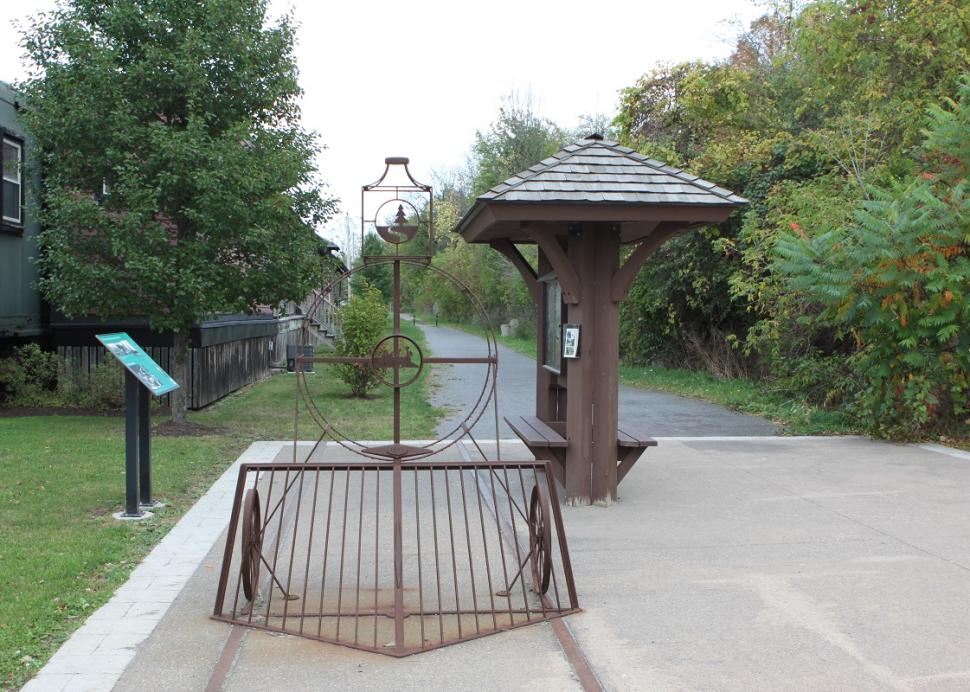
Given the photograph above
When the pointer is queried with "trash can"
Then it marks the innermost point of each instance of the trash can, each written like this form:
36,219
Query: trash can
292,351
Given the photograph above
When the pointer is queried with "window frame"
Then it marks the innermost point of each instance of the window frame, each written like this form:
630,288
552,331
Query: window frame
7,223
552,357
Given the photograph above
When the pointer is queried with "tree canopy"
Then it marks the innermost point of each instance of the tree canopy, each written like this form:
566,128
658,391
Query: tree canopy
821,107
817,116
179,181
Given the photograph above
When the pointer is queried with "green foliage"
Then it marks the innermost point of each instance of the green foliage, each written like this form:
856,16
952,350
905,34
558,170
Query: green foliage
897,282
362,323
28,377
31,376
186,114
517,139
488,276
377,275
680,311
820,104
100,389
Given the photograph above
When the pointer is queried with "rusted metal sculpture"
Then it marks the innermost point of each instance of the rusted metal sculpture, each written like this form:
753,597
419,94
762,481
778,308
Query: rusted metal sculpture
396,547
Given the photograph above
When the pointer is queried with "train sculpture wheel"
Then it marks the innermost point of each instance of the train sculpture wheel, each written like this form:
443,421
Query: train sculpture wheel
251,544
540,539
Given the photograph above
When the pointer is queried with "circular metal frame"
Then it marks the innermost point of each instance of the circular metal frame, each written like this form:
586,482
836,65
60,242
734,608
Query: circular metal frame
485,396
540,539
251,544
375,359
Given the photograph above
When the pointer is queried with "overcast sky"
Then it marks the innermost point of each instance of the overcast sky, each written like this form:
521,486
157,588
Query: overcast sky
418,79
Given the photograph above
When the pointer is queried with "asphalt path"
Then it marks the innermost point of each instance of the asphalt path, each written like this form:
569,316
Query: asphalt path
457,387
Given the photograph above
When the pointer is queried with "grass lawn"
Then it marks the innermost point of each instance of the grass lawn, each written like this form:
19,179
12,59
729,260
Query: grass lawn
61,478
737,394
265,411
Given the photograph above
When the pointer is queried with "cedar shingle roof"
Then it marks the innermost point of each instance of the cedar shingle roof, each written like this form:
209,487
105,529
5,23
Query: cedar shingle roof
594,170
596,182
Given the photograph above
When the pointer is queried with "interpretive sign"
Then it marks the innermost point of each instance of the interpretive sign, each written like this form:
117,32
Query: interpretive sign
141,369
138,363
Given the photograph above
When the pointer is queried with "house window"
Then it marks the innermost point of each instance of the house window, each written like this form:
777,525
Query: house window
12,191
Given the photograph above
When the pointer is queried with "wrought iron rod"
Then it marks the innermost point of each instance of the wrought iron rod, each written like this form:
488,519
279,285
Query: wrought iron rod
417,534
468,546
326,543
309,554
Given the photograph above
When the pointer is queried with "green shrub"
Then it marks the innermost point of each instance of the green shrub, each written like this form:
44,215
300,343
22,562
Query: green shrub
897,283
101,389
11,379
363,322
31,376
28,377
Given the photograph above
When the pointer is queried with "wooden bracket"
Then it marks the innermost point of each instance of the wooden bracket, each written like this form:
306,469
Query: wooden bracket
629,458
507,248
624,276
563,268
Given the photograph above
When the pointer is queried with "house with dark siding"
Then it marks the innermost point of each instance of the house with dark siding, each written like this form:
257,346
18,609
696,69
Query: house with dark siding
21,310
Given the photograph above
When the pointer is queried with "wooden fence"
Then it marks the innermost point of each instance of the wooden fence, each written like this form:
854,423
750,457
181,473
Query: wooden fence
290,332
214,371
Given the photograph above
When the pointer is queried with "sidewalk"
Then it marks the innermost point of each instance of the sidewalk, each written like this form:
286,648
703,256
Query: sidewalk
731,563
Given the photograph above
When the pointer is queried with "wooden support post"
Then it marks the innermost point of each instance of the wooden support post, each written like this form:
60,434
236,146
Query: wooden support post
579,378
624,276
564,265
606,364
591,379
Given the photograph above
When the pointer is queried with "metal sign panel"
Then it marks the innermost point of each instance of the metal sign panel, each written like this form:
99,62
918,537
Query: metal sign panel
138,363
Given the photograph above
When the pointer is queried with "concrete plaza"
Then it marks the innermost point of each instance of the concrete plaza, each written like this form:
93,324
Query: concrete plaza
728,563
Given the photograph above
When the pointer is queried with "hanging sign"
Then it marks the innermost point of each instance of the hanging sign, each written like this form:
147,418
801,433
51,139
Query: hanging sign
570,341
138,363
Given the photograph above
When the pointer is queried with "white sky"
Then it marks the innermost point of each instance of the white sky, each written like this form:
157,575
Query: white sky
418,78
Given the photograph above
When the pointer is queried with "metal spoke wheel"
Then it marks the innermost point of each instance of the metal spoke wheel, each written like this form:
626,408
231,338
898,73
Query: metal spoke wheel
251,544
540,539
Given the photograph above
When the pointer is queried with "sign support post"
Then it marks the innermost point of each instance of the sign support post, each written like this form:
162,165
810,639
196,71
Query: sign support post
143,378
144,405
132,510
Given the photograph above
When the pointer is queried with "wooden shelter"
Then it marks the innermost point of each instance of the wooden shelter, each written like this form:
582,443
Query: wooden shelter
580,206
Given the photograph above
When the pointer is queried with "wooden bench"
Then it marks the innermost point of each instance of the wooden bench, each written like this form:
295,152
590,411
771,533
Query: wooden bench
630,446
546,443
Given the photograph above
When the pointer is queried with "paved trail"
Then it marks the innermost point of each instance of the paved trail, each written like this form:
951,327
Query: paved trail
653,413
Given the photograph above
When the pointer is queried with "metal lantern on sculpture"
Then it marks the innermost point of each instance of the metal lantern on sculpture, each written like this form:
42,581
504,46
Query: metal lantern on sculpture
390,207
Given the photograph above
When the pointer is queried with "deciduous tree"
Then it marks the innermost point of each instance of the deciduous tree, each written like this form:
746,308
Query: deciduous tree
178,179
